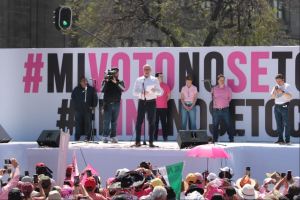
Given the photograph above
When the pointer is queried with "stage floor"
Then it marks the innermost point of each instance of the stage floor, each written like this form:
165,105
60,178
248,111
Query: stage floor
107,158
171,145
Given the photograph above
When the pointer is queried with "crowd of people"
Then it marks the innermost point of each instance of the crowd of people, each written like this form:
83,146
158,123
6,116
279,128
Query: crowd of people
144,183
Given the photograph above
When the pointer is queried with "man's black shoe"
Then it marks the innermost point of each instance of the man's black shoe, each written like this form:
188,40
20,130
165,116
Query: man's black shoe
151,145
279,142
138,144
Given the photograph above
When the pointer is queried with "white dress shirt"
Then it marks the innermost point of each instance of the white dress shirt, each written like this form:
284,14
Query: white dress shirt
147,84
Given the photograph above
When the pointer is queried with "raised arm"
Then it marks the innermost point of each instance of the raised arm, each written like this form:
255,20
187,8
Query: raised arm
121,85
157,89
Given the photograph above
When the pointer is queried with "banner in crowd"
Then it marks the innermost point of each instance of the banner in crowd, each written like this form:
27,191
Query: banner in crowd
36,86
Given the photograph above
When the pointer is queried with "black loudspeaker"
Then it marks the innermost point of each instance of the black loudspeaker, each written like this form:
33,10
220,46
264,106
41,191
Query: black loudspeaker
191,138
49,138
4,137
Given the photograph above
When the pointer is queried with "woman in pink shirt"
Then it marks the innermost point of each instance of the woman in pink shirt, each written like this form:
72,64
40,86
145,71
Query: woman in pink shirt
189,95
162,107
221,98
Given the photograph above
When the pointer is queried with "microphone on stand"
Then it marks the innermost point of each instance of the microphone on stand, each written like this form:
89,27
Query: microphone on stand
85,92
144,89
144,94
209,82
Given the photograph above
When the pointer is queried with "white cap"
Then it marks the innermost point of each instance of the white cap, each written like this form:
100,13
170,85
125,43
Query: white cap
211,176
269,180
199,175
194,196
121,172
227,169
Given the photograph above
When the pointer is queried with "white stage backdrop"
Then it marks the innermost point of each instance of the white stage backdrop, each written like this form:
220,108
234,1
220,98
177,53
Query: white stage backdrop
36,86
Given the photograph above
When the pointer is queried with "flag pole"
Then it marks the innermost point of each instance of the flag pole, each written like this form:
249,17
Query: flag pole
206,164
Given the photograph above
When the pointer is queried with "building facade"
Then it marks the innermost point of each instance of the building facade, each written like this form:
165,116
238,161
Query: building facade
29,24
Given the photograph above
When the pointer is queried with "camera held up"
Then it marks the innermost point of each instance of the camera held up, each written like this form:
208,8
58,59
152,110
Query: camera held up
109,75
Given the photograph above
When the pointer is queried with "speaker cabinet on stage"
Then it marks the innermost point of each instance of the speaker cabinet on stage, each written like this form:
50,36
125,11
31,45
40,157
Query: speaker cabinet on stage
4,137
49,138
191,138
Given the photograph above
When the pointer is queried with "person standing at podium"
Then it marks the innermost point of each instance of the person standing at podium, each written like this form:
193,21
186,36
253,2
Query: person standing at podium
84,99
147,89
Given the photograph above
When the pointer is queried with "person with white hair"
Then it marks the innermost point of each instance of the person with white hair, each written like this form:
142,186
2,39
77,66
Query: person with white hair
147,89
158,193
54,195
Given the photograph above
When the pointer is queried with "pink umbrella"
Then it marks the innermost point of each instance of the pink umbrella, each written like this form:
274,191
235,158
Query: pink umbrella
207,151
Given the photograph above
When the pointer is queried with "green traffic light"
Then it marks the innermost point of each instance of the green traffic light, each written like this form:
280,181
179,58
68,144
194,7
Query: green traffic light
65,23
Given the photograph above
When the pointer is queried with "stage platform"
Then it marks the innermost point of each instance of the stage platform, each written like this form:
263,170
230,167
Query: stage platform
107,158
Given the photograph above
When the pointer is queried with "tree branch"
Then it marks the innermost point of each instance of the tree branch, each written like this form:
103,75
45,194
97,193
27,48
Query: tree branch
156,24
214,17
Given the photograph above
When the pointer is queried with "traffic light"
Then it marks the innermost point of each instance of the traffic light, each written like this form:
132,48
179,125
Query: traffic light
63,18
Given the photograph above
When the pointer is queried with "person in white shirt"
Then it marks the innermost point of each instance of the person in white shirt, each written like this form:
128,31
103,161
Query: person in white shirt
281,94
147,89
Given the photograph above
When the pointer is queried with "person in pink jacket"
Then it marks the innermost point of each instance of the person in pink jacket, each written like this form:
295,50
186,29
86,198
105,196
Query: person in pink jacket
15,175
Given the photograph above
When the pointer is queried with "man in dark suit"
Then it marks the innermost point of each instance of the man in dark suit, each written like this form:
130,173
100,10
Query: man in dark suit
84,100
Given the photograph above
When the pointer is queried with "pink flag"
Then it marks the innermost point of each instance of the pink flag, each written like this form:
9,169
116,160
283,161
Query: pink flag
62,157
75,171
88,167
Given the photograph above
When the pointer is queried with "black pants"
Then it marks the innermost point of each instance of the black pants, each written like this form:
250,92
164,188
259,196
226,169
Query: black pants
282,121
219,115
111,114
83,124
144,107
161,114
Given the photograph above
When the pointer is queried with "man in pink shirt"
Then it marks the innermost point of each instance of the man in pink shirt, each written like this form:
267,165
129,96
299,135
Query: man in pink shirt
221,95
188,99
162,107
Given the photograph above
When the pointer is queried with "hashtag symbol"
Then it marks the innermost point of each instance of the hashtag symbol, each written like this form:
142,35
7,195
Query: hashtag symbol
33,72
66,113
